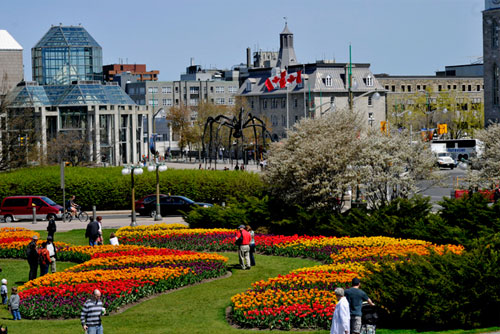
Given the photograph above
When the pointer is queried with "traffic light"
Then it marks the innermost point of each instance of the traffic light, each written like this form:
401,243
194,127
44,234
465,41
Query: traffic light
21,141
442,129
384,127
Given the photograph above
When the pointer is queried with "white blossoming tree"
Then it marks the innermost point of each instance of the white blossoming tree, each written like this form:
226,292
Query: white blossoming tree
486,172
322,159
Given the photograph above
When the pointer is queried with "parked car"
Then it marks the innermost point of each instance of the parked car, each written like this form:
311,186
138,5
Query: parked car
21,207
487,194
139,204
171,205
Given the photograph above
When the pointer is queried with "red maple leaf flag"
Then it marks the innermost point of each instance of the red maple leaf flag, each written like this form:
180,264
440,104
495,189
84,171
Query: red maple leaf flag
299,77
269,85
283,79
272,82
294,77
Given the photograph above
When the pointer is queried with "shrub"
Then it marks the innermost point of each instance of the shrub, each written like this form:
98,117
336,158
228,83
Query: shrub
440,292
107,188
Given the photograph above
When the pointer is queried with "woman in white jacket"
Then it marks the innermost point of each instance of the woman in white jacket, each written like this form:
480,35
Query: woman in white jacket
341,320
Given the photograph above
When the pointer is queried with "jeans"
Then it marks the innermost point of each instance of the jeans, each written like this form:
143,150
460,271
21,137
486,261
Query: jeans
92,242
44,269
4,299
95,330
16,314
252,258
33,270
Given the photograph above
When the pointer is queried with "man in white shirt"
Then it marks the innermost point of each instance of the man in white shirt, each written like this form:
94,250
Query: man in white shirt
52,253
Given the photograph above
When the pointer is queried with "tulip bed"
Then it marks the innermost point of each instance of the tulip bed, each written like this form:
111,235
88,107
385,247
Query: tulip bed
124,274
305,297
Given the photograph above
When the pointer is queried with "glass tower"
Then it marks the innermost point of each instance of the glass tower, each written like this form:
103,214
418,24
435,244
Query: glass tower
66,54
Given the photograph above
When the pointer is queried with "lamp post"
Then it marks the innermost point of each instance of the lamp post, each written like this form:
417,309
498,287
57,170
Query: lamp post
158,168
402,114
137,170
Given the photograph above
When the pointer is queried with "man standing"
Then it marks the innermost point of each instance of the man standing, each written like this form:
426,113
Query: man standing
341,318
355,296
92,232
52,253
243,240
32,255
91,314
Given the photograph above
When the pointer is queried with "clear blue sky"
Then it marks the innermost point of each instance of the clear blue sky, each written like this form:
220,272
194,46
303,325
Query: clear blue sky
396,36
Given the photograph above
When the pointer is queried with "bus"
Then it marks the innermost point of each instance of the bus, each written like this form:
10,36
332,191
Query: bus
462,149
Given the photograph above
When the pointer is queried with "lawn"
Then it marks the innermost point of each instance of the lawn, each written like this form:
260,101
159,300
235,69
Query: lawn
195,309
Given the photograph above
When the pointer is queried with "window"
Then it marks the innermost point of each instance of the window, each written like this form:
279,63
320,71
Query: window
153,102
369,81
177,89
232,89
494,35
424,87
454,87
386,87
496,78
403,88
153,90
251,104
469,88
283,103
440,88
249,85
166,90
167,102
194,90
219,100
463,88
328,81
230,101
264,104
393,88
194,102
478,88
131,91
449,87
370,100
295,103
409,88
418,87
219,89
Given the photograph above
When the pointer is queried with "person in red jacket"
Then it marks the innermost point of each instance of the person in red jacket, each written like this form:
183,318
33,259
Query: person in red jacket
44,259
243,239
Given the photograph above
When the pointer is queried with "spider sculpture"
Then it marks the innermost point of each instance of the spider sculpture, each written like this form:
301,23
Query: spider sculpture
236,126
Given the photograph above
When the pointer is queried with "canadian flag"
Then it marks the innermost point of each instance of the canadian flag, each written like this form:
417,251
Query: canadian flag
283,79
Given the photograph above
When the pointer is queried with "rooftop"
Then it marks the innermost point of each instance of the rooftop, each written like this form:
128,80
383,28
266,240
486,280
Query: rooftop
67,36
7,42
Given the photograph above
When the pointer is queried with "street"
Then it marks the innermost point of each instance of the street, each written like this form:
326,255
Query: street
437,192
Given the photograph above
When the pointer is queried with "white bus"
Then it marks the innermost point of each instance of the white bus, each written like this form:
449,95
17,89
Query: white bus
462,148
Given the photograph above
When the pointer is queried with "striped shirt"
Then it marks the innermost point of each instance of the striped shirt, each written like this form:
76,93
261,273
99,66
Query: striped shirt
91,313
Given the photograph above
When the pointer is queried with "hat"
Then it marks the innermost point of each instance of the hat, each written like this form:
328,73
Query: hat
355,281
241,226
35,237
49,238
4,281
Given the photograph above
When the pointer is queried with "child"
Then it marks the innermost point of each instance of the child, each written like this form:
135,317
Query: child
14,304
4,291
3,329
113,240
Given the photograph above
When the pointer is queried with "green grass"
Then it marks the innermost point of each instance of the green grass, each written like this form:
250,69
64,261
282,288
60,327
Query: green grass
195,309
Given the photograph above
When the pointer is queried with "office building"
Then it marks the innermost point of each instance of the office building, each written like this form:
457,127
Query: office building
137,70
11,62
491,60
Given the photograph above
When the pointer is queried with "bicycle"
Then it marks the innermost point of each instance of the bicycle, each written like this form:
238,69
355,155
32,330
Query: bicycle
80,215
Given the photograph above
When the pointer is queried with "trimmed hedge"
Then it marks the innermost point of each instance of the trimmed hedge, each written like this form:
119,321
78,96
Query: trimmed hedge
107,188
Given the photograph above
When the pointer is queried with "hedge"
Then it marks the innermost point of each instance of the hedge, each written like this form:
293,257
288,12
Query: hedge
107,188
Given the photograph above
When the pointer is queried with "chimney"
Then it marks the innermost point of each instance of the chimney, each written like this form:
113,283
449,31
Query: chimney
192,61
249,59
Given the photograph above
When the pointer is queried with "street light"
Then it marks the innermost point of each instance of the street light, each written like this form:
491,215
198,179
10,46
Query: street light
159,168
137,171
402,114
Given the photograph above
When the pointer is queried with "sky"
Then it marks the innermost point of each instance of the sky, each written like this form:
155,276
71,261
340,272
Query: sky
398,37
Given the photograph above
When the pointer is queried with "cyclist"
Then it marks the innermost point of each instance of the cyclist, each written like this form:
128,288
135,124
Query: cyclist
71,206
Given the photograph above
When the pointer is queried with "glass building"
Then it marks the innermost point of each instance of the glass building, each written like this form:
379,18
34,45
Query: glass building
66,54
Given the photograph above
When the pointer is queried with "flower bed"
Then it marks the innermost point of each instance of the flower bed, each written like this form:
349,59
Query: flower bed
305,297
124,274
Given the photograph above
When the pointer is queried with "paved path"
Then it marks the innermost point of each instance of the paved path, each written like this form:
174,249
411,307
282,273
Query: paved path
111,219
251,167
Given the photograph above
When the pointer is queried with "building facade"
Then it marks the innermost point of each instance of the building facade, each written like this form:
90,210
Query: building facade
491,60
105,115
138,70
11,62
324,88
196,85
66,54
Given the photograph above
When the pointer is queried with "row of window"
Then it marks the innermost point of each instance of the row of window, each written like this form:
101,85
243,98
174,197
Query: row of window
192,102
192,90
440,88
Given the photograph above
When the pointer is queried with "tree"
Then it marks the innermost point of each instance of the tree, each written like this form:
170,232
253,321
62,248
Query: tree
180,120
486,172
71,146
322,159
18,137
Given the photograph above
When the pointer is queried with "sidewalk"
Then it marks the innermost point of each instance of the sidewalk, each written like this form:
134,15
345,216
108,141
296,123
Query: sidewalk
111,219
194,164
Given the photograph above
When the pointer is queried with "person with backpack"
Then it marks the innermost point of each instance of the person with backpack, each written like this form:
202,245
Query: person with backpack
51,228
32,256
44,259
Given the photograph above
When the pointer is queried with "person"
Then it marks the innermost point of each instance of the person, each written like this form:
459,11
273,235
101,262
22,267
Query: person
52,253
236,167
4,291
32,255
92,232
3,329
341,316
99,240
71,206
243,240
91,314
113,240
51,228
14,304
355,296
242,167
252,245
44,259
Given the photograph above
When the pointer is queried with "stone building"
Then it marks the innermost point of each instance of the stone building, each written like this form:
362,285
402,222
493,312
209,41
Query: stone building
491,60
11,62
324,88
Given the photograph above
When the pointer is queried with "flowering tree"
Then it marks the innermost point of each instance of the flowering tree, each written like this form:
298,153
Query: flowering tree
322,159
486,170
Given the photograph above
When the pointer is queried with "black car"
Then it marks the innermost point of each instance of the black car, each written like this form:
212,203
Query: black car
170,205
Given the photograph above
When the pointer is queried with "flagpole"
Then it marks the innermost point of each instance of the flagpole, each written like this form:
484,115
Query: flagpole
304,89
287,112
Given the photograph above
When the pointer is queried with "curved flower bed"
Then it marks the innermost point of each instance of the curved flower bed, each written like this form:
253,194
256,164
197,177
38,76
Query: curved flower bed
304,298
123,273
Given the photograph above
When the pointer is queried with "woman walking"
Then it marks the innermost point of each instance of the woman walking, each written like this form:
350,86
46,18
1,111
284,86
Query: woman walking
252,245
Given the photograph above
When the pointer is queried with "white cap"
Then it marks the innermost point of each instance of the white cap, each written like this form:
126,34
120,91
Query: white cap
4,281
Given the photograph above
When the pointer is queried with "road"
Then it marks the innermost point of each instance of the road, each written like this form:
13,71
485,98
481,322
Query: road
437,192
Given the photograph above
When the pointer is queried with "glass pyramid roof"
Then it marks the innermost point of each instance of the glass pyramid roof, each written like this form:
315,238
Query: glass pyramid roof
67,95
65,36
